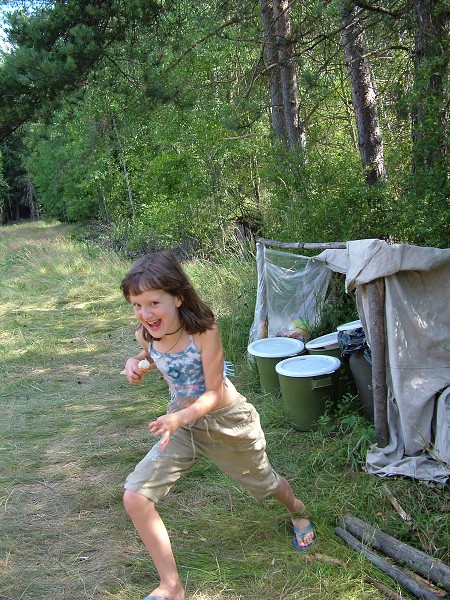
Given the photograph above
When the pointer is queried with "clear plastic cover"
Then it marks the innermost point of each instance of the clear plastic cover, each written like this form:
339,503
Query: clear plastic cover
293,288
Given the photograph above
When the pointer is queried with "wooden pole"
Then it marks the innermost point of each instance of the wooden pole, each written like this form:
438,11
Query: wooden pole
262,287
375,295
431,568
395,572
304,245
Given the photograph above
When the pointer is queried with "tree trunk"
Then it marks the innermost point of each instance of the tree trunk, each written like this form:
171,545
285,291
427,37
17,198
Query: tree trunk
30,198
273,69
294,126
430,119
364,97
125,172
105,206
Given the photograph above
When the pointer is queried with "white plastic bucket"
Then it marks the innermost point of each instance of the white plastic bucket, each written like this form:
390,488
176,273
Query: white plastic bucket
306,383
268,352
349,326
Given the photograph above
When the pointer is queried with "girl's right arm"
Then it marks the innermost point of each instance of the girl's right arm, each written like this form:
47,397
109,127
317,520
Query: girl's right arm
135,374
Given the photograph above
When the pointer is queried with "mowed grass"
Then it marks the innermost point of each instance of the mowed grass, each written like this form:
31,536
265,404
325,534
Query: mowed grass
72,428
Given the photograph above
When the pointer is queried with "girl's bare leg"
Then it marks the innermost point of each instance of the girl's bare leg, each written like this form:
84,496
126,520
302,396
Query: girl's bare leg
296,508
153,533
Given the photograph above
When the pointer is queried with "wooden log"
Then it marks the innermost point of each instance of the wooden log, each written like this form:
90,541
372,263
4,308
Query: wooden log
375,296
431,568
304,245
393,571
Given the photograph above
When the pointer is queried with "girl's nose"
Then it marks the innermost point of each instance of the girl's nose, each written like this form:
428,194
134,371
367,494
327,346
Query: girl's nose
146,313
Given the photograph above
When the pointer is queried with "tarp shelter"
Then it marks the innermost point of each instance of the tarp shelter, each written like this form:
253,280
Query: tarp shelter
415,324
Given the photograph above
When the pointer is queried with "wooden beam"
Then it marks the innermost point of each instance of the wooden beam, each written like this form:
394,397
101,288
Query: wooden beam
304,245
375,296
380,586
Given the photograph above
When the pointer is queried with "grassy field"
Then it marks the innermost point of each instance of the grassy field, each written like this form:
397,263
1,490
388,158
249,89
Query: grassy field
72,428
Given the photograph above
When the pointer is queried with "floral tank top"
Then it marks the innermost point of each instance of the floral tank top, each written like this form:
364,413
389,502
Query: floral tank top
183,372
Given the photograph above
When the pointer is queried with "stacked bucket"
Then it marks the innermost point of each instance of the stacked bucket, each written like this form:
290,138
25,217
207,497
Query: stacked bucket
307,376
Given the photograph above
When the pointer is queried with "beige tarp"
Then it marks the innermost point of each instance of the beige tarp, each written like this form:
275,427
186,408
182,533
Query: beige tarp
417,320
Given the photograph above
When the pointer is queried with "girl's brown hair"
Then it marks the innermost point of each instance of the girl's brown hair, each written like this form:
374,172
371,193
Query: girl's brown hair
162,271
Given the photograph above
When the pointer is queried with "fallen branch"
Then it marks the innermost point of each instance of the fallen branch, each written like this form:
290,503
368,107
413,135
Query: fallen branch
324,558
394,572
383,588
393,500
431,568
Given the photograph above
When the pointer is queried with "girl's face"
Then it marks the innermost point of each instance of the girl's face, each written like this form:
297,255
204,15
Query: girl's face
157,311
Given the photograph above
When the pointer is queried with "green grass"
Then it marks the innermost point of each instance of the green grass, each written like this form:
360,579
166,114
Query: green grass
72,428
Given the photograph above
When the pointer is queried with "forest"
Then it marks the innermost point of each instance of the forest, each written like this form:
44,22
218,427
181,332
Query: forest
177,123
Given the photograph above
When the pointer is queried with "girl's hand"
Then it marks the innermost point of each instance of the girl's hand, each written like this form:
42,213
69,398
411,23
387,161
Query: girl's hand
164,426
134,374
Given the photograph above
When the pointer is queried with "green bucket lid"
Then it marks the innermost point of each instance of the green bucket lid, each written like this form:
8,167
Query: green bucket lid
276,347
308,366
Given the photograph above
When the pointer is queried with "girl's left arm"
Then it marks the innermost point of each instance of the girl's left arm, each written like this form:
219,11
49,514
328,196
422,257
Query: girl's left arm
212,360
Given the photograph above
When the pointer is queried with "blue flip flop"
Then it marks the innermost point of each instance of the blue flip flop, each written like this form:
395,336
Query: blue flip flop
302,533
154,598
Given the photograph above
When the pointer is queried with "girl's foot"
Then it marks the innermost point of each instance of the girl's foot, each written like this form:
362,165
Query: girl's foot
165,593
304,535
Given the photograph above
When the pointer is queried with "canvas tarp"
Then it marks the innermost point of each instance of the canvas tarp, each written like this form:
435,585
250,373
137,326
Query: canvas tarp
417,329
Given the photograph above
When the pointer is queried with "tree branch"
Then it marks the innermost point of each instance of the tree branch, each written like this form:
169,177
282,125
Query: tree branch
377,9
200,41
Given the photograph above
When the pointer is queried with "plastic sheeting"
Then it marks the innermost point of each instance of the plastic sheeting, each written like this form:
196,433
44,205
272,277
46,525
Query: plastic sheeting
351,341
293,289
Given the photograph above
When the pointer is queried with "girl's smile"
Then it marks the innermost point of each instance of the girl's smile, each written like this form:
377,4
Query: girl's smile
157,311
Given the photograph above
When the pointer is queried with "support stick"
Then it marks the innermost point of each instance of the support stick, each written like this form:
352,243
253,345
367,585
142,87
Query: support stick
375,294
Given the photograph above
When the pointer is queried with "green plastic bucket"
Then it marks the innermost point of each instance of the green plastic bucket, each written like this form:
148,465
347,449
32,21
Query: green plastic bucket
268,352
325,344
306,383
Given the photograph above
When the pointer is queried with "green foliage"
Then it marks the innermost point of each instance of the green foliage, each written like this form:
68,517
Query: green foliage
350,434
55,47
338,308
153,119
